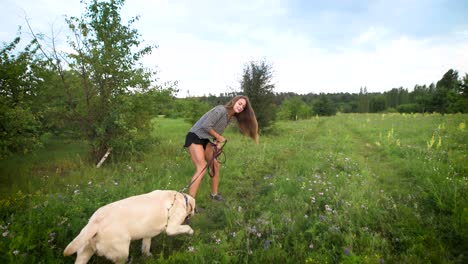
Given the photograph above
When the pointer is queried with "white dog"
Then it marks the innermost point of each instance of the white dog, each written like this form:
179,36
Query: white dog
111,228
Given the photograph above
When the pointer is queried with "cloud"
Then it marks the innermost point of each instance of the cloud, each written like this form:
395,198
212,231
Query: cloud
313,47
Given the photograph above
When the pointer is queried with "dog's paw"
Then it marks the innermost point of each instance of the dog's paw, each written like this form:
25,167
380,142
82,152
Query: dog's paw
190,232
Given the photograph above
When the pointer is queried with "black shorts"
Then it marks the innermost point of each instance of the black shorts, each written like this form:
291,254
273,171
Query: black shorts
192,138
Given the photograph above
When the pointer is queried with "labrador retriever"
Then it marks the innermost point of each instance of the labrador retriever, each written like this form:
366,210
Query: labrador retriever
111,228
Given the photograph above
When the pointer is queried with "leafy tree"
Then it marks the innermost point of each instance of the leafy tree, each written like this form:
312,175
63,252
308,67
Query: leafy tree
20,128
363,101
324,107
421,96
459,99
377,104
294,108
409,108
445,91
111,78
257,84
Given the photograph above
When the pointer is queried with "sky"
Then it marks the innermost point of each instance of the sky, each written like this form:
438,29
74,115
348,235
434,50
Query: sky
328,46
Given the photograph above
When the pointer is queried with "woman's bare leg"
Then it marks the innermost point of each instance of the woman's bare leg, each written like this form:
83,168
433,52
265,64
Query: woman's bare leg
198,158
214,167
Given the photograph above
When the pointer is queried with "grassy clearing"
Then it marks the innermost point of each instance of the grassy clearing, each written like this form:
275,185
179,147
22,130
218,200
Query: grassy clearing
344,189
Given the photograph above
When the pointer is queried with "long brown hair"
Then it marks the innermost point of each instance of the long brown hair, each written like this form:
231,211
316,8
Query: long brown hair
246,119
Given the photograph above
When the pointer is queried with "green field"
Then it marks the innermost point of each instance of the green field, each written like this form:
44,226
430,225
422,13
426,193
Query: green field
354,188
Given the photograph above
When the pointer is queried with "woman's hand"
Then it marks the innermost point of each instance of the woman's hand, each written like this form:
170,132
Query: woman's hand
219,141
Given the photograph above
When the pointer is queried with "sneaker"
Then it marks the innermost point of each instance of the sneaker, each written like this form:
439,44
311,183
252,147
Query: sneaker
217,197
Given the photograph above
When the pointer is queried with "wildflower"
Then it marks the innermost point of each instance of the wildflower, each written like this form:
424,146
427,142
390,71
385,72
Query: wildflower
233,234
306,216
239,209
16,252
461,126
6,233
312,200
311,245
328,208
90,182
76,192
365,229
250,252
252,229
259,234
191,249
321,193
347,252
218,241
266,244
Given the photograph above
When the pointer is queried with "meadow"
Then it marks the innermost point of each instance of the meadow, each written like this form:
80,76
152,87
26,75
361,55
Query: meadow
352,188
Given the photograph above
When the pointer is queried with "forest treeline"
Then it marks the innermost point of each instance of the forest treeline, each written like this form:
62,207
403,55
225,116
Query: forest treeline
99,91
448,95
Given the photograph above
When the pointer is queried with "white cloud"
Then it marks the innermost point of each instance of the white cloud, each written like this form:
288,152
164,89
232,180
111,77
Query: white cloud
205,44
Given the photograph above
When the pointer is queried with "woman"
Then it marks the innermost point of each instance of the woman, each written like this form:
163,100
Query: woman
212,125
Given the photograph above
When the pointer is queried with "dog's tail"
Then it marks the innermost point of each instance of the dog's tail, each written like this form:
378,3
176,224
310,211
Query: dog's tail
88,232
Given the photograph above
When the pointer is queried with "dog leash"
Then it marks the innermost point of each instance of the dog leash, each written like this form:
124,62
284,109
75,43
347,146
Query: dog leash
216,153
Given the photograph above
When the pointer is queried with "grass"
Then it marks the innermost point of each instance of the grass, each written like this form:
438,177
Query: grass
346,189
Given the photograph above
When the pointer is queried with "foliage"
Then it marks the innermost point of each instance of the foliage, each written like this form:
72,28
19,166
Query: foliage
112,80
256,83
445,92
294,108
324,107
409,108
20,128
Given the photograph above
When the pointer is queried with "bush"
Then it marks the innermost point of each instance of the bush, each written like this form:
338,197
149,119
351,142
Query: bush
20,131
409,108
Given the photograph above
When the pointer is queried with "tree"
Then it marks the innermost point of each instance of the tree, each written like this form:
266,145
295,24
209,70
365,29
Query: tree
111,77
458,100
294,108
421,96
20,128
363,101
257,84
324,107
445,91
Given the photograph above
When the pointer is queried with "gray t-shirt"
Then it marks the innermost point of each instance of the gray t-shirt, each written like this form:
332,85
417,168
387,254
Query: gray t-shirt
216,119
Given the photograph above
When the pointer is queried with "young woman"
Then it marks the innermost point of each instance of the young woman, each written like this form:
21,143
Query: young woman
212,125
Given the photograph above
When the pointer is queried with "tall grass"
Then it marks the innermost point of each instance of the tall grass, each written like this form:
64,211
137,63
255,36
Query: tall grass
345,189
